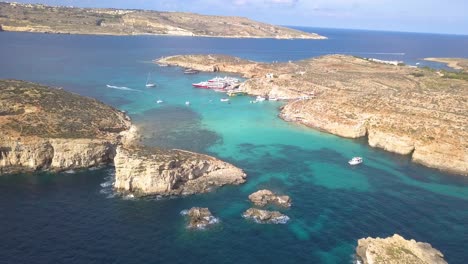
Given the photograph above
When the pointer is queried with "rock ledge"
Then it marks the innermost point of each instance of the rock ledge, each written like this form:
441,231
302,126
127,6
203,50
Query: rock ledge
397,250
264,197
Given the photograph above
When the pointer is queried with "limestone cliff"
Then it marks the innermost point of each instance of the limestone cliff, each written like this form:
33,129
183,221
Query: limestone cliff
152,171
397,250
406,110
107,21
44,128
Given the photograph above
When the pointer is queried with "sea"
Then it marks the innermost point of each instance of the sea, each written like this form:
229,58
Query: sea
75,217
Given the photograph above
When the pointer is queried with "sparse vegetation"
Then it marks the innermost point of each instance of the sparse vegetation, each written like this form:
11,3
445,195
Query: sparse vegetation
455,75
29,109
417,74
40,18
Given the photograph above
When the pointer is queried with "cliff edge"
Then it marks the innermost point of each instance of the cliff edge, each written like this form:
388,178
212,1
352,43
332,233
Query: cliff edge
397,250
406,110
152,171
44,128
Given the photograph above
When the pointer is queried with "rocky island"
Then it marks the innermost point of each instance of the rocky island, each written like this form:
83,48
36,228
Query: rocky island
107,21
265,197
153,171
199,218
45,128
265,216
406,110
397,250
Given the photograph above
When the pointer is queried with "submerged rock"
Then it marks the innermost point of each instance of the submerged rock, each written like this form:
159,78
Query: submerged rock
200,218
153,171
397,250
265,217
264,197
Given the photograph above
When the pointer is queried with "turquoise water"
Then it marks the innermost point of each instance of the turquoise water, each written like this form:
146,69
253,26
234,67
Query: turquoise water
73,218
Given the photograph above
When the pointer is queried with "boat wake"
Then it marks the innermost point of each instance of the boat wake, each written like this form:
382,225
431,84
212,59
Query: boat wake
123,88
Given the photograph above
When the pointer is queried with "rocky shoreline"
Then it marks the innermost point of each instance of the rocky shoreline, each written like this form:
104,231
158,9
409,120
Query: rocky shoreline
397,250
50,129
401,109
151,171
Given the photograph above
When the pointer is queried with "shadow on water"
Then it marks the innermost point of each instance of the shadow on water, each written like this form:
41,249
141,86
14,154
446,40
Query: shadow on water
175,127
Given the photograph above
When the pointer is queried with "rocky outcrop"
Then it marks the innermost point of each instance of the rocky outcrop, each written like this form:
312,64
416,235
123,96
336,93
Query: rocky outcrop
100,21
54,154
199,218
405,110
152,171
265,216
264,197
50,129
397,250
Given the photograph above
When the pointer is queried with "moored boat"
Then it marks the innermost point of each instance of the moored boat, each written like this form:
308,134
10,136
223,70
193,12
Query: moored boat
148,83
355,161
210,85
260,99
191,71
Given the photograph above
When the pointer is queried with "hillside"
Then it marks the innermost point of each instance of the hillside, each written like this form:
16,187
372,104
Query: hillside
70,20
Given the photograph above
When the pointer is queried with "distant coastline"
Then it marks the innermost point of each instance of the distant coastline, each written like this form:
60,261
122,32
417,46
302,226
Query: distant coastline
124,22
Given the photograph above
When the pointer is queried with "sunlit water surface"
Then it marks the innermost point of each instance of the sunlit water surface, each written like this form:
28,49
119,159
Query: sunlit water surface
76,218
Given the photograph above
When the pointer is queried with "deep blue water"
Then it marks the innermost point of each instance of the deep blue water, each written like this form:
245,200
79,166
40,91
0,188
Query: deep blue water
75,218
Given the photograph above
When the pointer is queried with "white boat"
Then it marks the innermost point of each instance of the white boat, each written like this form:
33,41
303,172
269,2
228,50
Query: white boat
355,161
148,83
272,99
187,103
224,100
159,101
229,80
260,99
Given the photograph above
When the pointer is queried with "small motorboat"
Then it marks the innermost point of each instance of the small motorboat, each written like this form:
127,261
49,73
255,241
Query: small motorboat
187,103
224,99
355,161
148,83
159,101
260,99
191,71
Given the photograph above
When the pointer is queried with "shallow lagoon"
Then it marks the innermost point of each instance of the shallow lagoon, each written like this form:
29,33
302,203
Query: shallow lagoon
73,218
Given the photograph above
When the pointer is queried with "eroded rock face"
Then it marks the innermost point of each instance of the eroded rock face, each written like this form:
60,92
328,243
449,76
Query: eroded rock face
397,250
152,171
264,197
44,128
265,216
200,218
405,110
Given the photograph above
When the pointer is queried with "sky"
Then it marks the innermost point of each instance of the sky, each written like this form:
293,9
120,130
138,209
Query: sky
433,16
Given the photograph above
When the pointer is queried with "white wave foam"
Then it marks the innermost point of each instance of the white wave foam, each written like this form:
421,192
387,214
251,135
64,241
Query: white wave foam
128,197
107,184
70,172
123,88
184,212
